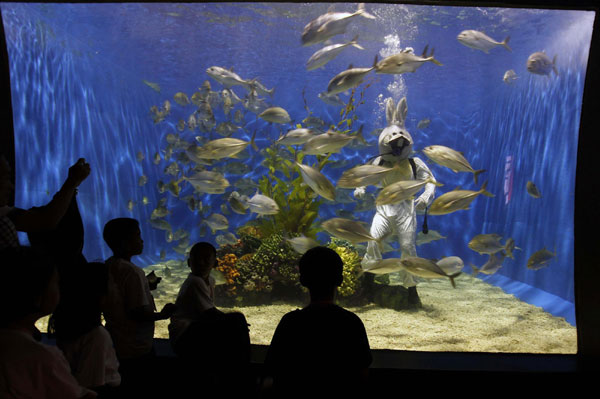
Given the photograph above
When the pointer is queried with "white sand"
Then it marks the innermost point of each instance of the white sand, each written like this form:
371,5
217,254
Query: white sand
474,317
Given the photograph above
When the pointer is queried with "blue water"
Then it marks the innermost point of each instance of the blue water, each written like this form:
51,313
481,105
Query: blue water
77,74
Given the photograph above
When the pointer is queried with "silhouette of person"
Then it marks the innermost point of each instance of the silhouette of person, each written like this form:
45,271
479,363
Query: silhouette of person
322,348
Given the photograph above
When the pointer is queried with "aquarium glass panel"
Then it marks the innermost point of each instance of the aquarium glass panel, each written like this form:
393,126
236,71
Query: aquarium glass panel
430,146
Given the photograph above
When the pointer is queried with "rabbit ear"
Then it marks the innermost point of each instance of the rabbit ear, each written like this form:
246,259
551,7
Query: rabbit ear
401,112
389,111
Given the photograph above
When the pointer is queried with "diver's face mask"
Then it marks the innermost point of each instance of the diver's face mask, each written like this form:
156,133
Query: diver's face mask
398,145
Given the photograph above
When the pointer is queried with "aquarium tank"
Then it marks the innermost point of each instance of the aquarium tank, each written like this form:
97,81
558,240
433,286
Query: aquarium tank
430,146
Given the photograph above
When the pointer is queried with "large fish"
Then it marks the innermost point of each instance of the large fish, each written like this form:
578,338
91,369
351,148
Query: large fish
347,229
426,268
451,264
216,149
227,77
275,115
451,159
348,79
491,266
362,175
540,64
327,142
261,204
480,41
208,182
328,53
405,61
296,137
238,203
302,244
384,266
402,190
486,243
216,221
317,181
540,259
330,24
456,200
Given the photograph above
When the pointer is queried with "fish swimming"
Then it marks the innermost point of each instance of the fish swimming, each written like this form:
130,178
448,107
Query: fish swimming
227,77
238,203
348,79
423,123
216,221
384,266
539,64
456,200
509,77
296,137
451,159
142,180
533,190
153,86
486,243
347,229
208,182
302,244
426,268
404,61
261,204
160,224
260,88
181,99
317,181
327,142
330,24
491,266
432,235
328,53
451,264
402,190
331,99
540,259
275,115
216,149
480,41
362,175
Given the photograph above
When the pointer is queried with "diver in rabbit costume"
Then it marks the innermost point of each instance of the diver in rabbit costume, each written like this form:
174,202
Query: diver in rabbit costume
395,150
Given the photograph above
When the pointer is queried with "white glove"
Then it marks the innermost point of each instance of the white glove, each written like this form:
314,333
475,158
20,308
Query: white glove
359,192
420,205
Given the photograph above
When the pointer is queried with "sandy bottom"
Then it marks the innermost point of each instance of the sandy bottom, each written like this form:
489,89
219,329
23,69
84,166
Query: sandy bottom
474,317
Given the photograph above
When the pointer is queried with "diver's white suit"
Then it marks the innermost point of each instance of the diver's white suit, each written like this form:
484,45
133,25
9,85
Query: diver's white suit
399,218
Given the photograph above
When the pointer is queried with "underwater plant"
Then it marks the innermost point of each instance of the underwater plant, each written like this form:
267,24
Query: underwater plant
351,258
226,265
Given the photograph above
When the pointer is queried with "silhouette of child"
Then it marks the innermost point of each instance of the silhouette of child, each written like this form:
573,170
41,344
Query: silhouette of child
29,368
198,330
322,348
129,310
76,322
38,218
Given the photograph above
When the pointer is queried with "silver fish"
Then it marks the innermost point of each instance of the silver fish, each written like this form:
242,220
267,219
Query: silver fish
348,79
492,265
327,142
540,259
540,64
432,235
275,115
509,76
331,99
238,203
216,221
451,159
404,62
262,205
317,181
456,200
426,268
362,175
226,239
208,182
451,264
302,244
480,41
347,229
227,77
160,224
328,53
227,128
216,149
330,24
402,190
486,243
260,88
296,137
423,123
384,266
181,99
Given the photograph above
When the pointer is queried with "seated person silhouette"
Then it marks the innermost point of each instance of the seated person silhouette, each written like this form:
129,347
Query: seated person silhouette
322,348
28,368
